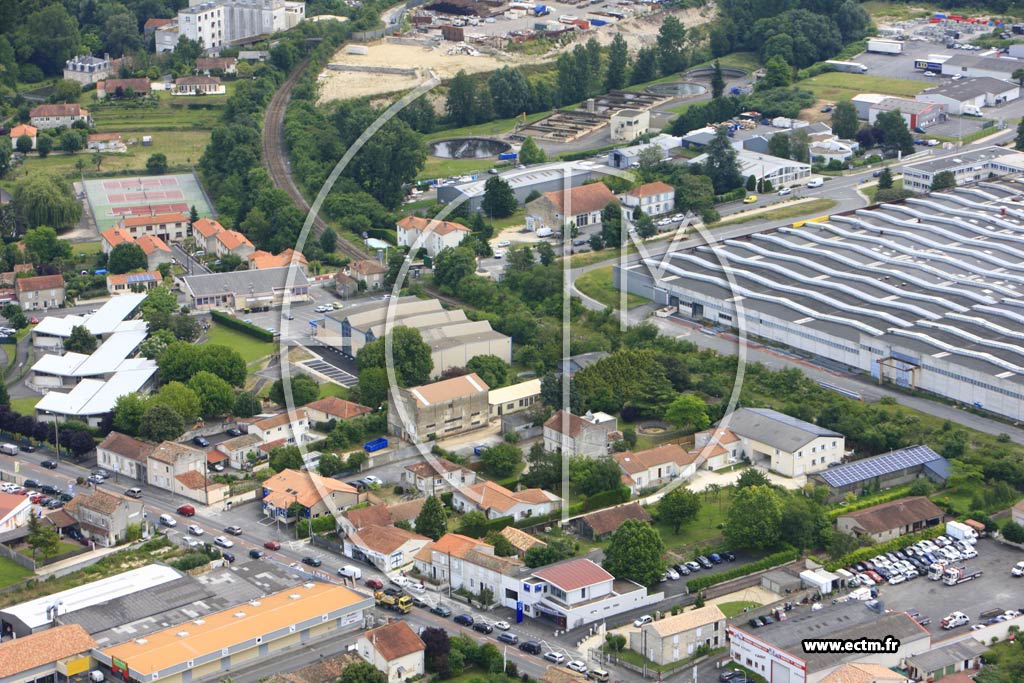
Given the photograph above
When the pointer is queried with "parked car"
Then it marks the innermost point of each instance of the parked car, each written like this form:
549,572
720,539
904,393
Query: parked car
234,431
375,584
728,555
645,619
200,441
530,646
554,657
230,557
30,484
483,627
464,620
256,554
705,562
577,666
439,610
186,511
508,638
195,530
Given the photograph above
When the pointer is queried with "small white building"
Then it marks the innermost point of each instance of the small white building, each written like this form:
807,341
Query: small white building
785,444
497,501
513,398
976,66
654,199
971,92
393,649
626,157
385,547
591,435
656,466
86,69
123,455
469,563
431,235
863,103
280,427
434,477
14,511
629,124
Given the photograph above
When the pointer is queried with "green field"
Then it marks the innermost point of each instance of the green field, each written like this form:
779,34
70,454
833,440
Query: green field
25,406
11,572
436,167
700,532
331,389
63,548
873,190
499,127
731,609
182,148
162,112
250,348
836,86
597,284
814,207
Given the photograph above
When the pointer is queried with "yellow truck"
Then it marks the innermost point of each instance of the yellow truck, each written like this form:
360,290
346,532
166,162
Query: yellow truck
395,603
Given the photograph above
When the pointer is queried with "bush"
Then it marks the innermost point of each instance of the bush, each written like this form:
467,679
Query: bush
774,560
446,498
1013,532
606,499
242,326
869,501
190,561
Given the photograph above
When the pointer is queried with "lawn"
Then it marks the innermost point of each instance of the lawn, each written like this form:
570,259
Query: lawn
815,206
63,548
896,11
250,348
731,609
436,167
597,284
499,127
331,389
518,218
589,257
873,190
701,532
182,148
835,86
11,572
25,406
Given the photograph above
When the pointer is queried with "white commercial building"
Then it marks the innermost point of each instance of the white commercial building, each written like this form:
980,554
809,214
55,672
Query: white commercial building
974,66
967,166
218,23
779,171
113,316
863,103
55,372
971,92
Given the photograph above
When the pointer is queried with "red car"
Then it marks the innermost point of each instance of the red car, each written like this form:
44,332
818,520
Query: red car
34,320
36,498
186,511
374,584
272,545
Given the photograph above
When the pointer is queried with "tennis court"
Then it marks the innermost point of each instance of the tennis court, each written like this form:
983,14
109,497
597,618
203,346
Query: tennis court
111,198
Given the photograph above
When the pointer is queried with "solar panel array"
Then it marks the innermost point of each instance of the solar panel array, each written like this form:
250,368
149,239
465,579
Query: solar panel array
140,277
878,466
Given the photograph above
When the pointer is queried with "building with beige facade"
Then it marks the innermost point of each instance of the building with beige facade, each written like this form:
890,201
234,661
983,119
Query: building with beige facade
785,444
886,521
676,638
513,398
181,469
438,410
393,649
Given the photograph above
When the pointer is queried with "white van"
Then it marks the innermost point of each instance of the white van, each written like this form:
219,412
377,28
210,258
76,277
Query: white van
815,182
348,571
9,449
545,232
167,520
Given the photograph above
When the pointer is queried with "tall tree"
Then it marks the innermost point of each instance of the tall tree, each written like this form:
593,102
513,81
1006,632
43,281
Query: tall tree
721,165
844,120
894,134
943,180
304,390
461,101
43,199
81,340
126,257
530,153
43,246
501,459
499,201
411,357
179,397
509,91
615,77
777,74
688,410
362,672
635,553
611,224
48,38
42,538
778,145
491,369
160,422
754,518
678,506
216,397
432,520
717,81
671,35
645,68
1019,140
885,181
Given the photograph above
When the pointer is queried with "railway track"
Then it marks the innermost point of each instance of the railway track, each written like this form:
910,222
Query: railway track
275,157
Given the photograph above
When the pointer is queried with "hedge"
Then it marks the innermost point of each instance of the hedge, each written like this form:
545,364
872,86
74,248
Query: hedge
606,499
895,544
242,326
774,560
731,196
870,501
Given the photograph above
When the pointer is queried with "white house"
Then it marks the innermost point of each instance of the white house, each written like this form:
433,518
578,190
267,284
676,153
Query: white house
830,149
385,547
469,563
280,427
58,115
436,235
124,455
591,435
654,199
393,649
436,476
496,501
656,466
14,511
783,443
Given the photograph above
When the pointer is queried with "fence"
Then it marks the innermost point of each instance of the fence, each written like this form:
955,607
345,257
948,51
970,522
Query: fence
14,556
327,544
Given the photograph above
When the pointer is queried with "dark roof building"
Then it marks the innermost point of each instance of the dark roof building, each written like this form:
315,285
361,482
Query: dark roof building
883,471
597,525
890,520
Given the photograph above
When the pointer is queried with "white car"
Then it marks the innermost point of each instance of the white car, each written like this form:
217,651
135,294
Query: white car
957,77
678,217
370,479
224,542
866,580
504,243
502,625
416,588
556,657
500,253
577,665
673,574
645,619
195,530
784,191
191,542
321,309
896,579
929,74
400,581
1018,569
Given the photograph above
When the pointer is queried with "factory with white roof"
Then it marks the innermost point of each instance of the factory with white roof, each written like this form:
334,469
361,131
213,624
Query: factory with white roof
113,316
927,293
540,178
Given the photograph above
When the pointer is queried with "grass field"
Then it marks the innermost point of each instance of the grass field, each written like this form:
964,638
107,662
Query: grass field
731,609
814,207
597,284
873,190
836,86
700,532
331,389
436,167
11,572
898,11
25,406
183,149
168,113
62,549
499,127
250,348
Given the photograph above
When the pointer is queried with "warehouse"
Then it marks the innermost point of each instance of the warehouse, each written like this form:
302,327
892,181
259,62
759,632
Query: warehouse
973,66
923,294
917,115
246,289
779,171
881,472
970,92
113,316
540,178
967,166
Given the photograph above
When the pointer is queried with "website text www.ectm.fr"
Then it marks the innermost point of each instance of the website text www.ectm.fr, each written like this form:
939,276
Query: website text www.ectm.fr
887,645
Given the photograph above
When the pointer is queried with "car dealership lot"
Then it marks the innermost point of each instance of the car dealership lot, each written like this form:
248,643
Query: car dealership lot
994,589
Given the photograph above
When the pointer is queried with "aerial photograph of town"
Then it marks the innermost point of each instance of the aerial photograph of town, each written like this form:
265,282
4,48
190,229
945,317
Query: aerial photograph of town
511,341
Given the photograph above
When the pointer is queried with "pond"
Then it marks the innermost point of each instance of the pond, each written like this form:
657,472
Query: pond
676,89
468,148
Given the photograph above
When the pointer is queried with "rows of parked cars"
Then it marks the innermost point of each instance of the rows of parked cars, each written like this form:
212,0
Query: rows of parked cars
924,558
674,572
43,495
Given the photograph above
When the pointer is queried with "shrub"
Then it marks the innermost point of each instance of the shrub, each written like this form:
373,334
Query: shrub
1013,532
242,326
774,560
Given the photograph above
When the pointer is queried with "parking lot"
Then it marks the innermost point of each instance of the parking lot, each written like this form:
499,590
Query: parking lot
994,589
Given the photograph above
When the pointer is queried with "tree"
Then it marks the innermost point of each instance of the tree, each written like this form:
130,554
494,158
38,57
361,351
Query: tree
178,362
24,144
44,145
546,253
611,225
501,460
721,165
502,546
499,201
285,458
362,672
473,524
216,397
1018,75
645,68
545,468
754,518
461,101
121,34
126,257
844,119
894,135
71,141
42,199
246,405
161,422
156,164
671,35
645,225
179,397
943,180
411,356
777,74
635,552
47,38
329,241
128,412
436,653
491,369
804,523
373,387
1013,532
717,81
530,153
751,183
752,476
594,475
618,64
304,390
451,265
43,246
81,340
678,506
432,519
509,92
778,145
42,538
688,410
1019,140
223,361
885,179
159,301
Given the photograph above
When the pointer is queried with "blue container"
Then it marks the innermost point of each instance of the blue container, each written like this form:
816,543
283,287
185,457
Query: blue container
375,445
598,22
507,156
477,450
100,271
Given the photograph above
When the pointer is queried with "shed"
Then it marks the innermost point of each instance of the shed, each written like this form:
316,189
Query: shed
780,581
824,581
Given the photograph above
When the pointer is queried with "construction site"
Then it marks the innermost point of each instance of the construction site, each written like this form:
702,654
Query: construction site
568,125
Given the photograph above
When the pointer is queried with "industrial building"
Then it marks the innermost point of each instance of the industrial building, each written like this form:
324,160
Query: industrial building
453,338
540,178
967,166
779,171
916,114
883,472
626,157
116,315
971,92
975,66
923,294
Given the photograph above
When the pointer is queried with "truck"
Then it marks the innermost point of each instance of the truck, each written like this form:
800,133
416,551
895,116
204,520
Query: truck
395,603
936,571
961,532
970,110
885,46
954,576
847,67
541,11
9,449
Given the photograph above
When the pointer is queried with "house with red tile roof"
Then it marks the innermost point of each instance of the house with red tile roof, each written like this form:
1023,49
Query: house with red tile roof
355,519
393,649
431,235
386,547
654,199
260,259
170,227
225,65
203,232
130,283
600,524
40,293
113,237
122,454
369,272
591,435
280,426
155,249
334,408
580,206
317,495
23,130
494,500
655,466
14,510
45,654
198,85
122,87
232,242
58,115
435,476
104,517
463,562
180,468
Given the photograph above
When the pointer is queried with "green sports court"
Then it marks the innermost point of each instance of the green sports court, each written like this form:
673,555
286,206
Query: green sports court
111,198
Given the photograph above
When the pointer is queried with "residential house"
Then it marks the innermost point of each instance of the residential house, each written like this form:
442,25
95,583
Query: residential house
385,547
580,206
591,435
577,592
239,449
435,476
15,510
445,408
520,540
468,563
654,199
431,235
212,65
785,444
152,25
123,455
122,87
156,251
232,242
863,672
346,285
7,279
46,655
317,495
198,85
203,232
371,273
261,260
496,501
23,130
113,237
86,69
513,398
886,521
181,469
105,142
352,520
280,426
393,649
717,448
104,517
259,289
601,524
334,408
678,637
655,466
40,293
129,283
58,115
169,227
937,663
831,149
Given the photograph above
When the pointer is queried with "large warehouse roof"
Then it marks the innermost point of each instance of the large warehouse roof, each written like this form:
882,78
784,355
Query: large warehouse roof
110,317
879,466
